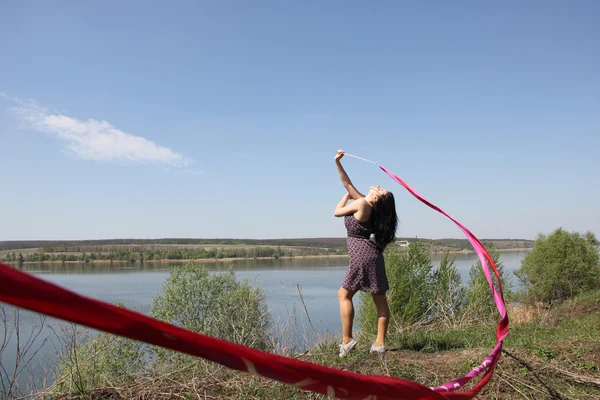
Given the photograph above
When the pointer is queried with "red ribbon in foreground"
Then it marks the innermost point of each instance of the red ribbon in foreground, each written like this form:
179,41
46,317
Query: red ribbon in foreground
24,290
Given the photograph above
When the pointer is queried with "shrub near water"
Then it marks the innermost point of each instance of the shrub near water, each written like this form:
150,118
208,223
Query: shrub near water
421,293
560,266
104,360
480,299
214,304
417,291
449,296
409,275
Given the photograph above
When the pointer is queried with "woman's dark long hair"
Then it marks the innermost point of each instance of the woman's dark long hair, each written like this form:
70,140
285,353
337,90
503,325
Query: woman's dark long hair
385,221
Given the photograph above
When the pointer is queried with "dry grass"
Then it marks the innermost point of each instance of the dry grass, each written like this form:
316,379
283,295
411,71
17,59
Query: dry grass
519,375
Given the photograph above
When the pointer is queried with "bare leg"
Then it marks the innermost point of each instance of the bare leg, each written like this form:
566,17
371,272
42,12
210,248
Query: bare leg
383,317
346,312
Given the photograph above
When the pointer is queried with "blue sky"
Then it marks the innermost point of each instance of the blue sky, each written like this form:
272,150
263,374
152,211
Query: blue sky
221,119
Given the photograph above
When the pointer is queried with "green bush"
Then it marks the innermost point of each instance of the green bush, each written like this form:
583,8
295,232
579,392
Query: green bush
480,299
449,295
105,360
192,298
560,266
410,279
214,304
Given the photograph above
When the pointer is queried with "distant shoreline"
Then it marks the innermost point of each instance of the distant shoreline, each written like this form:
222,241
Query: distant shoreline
167,261
231,259
467,251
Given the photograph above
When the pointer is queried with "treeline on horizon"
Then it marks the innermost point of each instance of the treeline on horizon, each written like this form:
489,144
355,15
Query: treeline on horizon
66,245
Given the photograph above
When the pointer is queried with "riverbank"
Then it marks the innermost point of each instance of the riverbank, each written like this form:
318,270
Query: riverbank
467,251
233,259
167,261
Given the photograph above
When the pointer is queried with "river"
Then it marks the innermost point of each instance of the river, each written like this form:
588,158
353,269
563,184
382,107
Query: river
136,284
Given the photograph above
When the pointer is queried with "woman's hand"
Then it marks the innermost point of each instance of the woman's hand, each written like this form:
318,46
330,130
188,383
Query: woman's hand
354,194
345,199
342,209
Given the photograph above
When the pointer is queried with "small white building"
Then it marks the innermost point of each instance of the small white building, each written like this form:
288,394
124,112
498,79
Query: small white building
402,243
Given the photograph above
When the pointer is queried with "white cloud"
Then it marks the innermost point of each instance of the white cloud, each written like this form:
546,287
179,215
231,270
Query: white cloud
97,140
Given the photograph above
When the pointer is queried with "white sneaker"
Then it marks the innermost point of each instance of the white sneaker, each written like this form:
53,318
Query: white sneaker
345,348
377,349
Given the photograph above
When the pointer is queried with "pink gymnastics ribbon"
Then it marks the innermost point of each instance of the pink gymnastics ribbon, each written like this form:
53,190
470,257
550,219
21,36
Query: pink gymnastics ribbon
502,328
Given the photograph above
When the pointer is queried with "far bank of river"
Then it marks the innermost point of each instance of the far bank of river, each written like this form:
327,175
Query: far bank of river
179,261
232,259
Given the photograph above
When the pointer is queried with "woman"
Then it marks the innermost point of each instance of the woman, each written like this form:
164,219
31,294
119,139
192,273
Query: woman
371,223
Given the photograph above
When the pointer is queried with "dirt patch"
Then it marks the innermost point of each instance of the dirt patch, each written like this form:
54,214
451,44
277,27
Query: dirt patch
584,308
522,313
417,366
